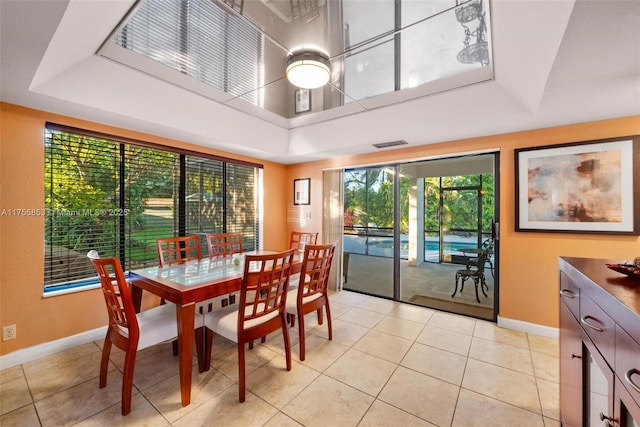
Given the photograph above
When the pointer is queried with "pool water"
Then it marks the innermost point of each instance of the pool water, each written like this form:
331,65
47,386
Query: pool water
383,246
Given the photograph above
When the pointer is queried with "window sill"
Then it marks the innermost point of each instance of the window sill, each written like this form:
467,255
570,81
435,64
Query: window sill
71,290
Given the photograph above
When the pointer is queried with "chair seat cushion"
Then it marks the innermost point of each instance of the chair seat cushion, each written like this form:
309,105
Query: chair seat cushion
158,325
224,321
292,300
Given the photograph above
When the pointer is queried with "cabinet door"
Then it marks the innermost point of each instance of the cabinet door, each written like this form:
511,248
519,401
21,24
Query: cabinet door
628,362
570,369
598,387
627,409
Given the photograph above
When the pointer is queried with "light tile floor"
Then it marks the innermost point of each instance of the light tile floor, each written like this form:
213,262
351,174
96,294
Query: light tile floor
388,364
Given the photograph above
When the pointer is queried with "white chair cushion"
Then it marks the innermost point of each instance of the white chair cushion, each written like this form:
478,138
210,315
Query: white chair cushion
159,324
224,321
292,300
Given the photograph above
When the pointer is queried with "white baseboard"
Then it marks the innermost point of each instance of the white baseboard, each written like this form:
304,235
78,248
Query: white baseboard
529,328
45,349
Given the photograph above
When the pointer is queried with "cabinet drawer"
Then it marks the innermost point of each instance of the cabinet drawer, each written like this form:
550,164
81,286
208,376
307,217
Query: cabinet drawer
570,294
628,363
599,327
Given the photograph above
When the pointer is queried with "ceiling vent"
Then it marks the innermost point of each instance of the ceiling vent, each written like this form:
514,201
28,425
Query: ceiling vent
390,144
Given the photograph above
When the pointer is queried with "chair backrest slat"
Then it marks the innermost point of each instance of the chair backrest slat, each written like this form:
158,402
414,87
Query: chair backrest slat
224,244
178,250
299,240
316,267
264,285
117,297
482,259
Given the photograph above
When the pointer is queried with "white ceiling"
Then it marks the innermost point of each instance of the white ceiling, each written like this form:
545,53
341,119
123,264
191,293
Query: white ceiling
555,62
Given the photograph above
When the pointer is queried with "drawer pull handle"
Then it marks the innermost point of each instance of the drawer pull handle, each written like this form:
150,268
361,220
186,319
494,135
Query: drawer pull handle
627,376
595,328
575,356
567,293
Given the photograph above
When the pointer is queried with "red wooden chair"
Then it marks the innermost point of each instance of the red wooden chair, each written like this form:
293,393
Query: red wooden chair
178,250
260,311
311,294
129,331
300,239
224,244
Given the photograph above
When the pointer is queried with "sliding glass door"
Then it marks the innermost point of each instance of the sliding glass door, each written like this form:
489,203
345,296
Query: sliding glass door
408,229
369,230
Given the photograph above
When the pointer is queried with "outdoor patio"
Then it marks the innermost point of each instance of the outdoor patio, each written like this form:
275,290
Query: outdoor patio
428,284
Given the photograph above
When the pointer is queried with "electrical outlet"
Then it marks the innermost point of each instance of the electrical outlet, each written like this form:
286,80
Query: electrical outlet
8,332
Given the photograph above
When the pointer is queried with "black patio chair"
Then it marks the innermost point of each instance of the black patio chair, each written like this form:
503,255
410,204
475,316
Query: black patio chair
474,270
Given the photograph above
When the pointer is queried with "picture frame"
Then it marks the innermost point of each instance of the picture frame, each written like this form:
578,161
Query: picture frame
580,187
301,191
302,101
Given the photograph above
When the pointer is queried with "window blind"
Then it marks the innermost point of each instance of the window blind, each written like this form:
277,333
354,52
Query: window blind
80,206
199,39
150,203
242,206
204,207
118,197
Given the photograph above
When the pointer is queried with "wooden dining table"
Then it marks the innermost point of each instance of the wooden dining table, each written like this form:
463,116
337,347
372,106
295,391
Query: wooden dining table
187,284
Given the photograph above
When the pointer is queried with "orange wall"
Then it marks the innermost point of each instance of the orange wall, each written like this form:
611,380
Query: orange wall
528,261
528,274
41,319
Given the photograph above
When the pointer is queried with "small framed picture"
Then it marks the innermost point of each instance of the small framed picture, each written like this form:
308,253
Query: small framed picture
301,191
302,100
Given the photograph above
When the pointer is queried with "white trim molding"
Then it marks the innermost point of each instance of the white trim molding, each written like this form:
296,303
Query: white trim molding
529,328
48,348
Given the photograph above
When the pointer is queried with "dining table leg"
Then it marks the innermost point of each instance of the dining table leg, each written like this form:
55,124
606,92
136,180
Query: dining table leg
185,315
136,297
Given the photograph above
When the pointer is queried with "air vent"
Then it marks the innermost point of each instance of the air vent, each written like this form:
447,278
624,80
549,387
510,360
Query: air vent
390,144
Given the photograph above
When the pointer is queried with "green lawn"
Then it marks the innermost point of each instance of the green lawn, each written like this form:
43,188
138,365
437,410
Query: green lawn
143,242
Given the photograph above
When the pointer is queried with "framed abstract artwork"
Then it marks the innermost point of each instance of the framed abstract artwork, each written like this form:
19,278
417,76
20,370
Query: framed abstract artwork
582,187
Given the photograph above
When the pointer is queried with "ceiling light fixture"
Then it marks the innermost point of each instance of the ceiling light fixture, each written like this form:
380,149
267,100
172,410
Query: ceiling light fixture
308,70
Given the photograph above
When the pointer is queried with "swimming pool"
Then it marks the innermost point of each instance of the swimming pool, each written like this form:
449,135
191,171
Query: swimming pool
383,246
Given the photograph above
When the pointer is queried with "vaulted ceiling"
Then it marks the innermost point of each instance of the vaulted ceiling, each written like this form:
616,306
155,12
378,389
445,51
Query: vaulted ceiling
555,62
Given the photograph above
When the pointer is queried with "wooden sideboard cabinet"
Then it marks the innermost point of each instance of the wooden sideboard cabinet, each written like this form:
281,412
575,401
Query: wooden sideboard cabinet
599,345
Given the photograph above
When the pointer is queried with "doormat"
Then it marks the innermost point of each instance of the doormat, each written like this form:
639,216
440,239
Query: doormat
481,312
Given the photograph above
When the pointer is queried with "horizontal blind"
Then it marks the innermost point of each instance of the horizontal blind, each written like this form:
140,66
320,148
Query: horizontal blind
150,203
81,205
197,38
241,203
117,198
204,201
